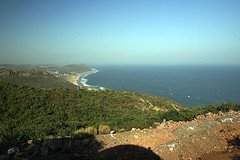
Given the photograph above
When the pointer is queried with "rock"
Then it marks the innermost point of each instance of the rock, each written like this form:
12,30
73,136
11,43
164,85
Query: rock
190,128
51,145
209,114
133,129
135,136
156,124
21,156
12,151
171,146
30,141
227,120
112,132
230,149
200,117
122,130
232,112
220,113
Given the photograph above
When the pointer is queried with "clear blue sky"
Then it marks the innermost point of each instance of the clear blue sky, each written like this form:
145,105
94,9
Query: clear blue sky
120,31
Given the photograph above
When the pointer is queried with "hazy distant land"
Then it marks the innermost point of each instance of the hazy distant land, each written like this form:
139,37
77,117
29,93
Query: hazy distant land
49,76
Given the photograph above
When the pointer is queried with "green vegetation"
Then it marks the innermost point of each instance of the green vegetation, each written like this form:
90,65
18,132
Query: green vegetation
32,113
190,114
89,130
39,81
104,129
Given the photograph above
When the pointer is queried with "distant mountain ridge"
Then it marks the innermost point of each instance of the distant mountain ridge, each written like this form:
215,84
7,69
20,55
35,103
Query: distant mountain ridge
76,68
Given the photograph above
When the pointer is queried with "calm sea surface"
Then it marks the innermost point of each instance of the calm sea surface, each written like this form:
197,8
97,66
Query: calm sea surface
188,85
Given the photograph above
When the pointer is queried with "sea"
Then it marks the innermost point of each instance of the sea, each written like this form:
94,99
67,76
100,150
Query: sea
188,85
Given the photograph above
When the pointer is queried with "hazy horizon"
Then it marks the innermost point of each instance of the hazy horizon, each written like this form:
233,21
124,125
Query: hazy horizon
108,32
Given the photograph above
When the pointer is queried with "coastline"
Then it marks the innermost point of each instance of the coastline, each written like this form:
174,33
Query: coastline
74,78
83,81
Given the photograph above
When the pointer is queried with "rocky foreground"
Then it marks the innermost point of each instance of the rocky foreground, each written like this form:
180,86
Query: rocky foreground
211,136
196,139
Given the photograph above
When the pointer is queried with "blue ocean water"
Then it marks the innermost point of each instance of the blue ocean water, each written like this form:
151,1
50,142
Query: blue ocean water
188,85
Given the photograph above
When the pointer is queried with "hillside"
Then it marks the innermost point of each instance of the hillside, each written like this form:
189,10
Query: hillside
34,78
44,76
207,137
31,113
78,68
28,113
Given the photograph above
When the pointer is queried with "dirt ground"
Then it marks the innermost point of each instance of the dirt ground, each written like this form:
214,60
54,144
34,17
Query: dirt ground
213,136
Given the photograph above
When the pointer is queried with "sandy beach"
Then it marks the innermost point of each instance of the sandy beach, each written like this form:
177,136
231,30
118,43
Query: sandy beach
75,77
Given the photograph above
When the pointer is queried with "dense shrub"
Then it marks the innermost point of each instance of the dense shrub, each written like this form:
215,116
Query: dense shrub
30,113
79,132
91,130
104,129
